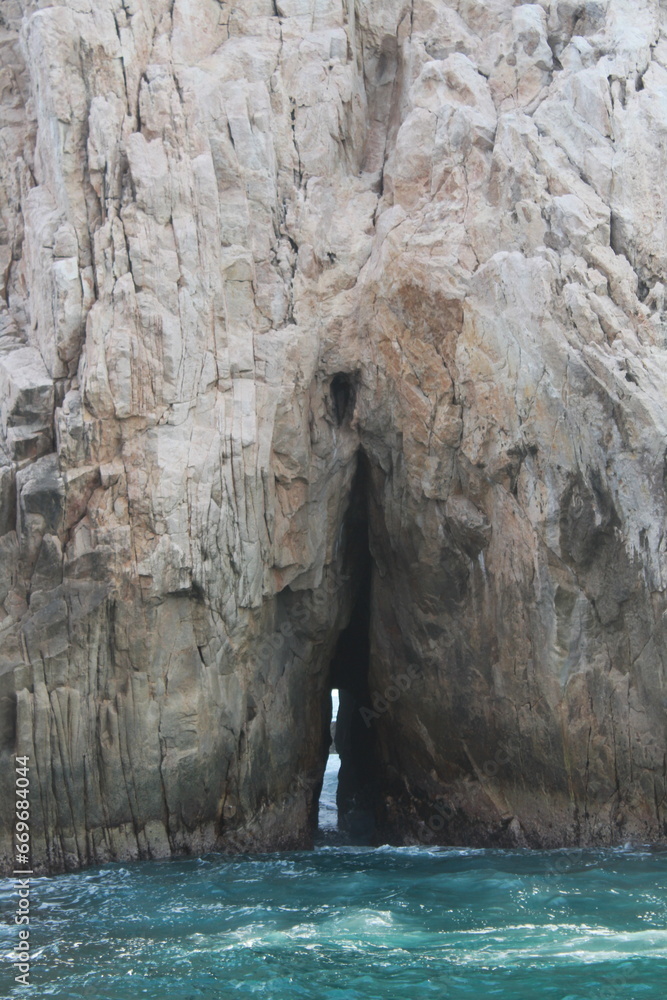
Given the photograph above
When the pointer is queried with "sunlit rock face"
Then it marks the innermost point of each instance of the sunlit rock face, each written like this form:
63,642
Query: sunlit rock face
321,318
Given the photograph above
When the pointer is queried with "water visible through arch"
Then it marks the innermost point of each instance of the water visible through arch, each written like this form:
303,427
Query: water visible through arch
328,808
350,774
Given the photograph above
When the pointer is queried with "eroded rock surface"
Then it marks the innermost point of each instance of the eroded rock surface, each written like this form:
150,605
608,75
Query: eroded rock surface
242,245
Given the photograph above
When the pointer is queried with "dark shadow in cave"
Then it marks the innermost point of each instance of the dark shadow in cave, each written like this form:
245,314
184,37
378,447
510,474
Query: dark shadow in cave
349,673
342,396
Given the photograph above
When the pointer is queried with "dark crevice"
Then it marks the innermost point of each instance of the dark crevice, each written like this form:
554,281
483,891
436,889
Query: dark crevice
343,397
349,674
298,174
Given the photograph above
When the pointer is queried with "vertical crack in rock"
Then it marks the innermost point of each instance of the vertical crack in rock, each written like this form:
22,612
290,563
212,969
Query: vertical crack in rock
349,673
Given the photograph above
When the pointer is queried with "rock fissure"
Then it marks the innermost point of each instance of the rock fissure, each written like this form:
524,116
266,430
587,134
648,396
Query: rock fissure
349,673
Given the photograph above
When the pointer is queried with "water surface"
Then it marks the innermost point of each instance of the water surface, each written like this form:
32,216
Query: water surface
347,923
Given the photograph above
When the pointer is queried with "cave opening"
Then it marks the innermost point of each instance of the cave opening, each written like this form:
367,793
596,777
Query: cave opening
352,738
342,396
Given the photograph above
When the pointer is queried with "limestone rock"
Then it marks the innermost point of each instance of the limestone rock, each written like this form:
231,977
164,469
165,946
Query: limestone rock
27,400
333,343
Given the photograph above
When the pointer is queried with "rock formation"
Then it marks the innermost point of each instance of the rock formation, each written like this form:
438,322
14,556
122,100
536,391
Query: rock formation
317,313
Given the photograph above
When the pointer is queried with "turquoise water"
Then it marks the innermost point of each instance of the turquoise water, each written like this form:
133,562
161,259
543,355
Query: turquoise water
351,923
347,923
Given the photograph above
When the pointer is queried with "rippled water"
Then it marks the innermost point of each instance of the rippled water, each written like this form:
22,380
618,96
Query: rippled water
344,922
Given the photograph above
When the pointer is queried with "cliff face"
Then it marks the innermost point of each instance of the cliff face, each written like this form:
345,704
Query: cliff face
332,333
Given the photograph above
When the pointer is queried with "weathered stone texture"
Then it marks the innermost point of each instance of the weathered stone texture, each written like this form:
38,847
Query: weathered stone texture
208,212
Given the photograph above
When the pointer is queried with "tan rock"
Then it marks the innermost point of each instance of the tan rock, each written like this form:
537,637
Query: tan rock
297,296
